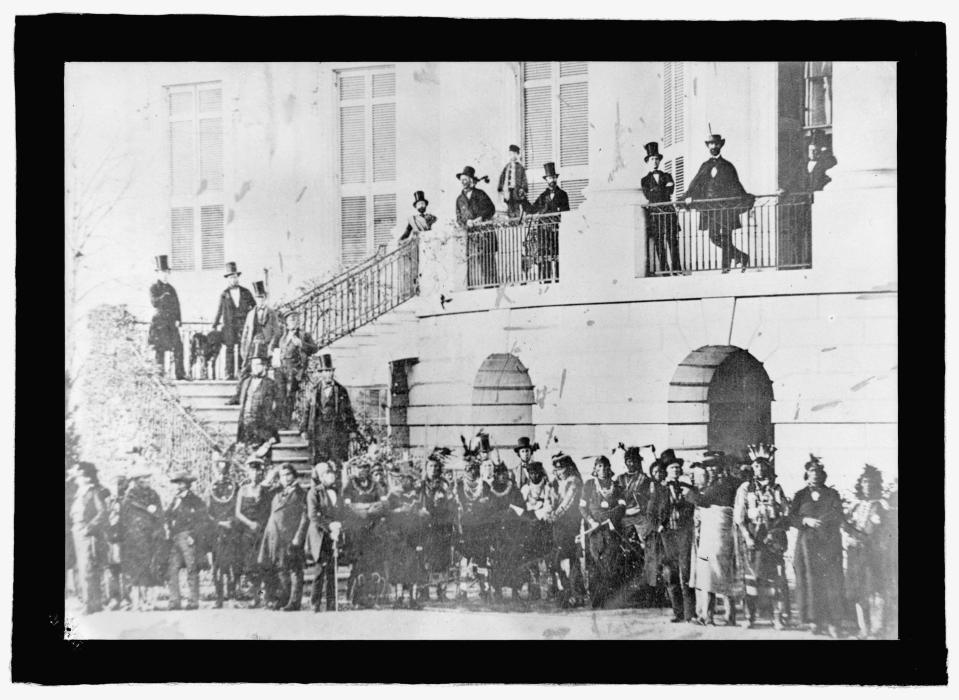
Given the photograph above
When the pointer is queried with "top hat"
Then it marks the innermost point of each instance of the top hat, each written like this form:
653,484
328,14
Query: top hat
231,270
324,361
182,477
550,169
259,289
418,196
524,443
668,457
469,171
514,148
652,151
162,263
716,138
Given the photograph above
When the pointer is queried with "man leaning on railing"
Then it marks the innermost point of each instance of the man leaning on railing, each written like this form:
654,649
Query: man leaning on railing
542,241
717,179
473,208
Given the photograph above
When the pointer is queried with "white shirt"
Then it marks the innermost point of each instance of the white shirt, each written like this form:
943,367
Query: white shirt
235,295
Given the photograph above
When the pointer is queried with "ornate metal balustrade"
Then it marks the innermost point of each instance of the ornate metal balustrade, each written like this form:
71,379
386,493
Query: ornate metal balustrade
359,295
513,252
718,234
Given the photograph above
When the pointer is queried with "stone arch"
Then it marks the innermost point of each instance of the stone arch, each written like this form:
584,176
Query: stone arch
503,400
720,398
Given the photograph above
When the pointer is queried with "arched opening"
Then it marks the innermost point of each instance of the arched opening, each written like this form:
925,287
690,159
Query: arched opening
740,404
720,398
503,400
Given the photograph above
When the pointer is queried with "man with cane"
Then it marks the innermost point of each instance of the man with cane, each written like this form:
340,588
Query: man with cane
322,535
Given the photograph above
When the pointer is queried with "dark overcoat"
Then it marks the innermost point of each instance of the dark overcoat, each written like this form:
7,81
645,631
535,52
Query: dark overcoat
265,406
222,508
164,333
662,219
141,531
287,523
320,511
477,205
329,425
818,555
724,184
233,316
545,204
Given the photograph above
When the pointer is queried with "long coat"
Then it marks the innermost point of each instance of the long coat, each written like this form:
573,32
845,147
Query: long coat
329,425
818,555
724,184
477,205
269,331
164,334
440,500
141,532
287,523
507,536
264,406
294,358
566,516
545,204
221,504
320,511
656,192
233,316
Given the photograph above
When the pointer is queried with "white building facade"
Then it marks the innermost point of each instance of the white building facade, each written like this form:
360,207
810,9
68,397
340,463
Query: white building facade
295,171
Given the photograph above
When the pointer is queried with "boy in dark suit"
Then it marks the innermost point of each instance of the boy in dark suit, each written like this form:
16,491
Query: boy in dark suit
513,186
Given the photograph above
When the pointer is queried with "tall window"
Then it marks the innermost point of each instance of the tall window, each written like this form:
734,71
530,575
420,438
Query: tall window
674,122
817,112
367,116
556,124
196,175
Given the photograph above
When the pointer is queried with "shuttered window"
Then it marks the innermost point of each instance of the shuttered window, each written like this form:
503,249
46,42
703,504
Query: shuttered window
674,103
367,132
677,168
196,176
556,125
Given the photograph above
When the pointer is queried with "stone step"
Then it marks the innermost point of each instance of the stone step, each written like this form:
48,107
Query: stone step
216,414
208,401
206,388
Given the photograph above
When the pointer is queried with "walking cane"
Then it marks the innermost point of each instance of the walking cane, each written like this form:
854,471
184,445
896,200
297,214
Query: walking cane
336,576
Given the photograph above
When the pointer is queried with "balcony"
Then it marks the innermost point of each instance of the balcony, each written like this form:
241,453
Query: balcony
513,252
719,234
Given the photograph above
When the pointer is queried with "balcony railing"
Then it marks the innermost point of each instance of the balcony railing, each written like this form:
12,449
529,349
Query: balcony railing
718,234
516,252
361,294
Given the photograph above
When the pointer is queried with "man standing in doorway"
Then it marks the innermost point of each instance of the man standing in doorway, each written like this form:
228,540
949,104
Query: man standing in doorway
165,325
235,303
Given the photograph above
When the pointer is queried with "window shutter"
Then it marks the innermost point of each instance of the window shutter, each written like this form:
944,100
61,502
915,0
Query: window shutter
679,103
352,87
181,104
210,99
384,218
181,249
211,236
353,228
384,85
679,178
568,68
182,178
538,126
537,70
352,144
384,141
574,189
573,124
211,154
667,104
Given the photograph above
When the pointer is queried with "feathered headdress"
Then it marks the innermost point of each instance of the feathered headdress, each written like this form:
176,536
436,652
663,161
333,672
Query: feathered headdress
762,451
814,463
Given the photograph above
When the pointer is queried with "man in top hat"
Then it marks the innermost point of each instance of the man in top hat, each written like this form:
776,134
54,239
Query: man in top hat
566,525
543,237
717,179
234,304
88,518
473,208
165,324
296,347
221,504
524,449
512,186
323,510
328,423
662,224
673,509
262,327
421,220
811,175
187,520
260,405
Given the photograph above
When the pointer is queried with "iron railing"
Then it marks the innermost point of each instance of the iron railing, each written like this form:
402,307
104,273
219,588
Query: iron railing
359,295
717,234
517,252
201,359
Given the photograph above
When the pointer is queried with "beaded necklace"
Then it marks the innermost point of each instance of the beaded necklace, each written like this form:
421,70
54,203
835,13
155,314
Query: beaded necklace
509,487
228,498
472,489
360,490
605,493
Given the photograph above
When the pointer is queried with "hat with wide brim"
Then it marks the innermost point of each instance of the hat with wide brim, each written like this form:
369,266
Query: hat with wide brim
182,477
716,138
469,171
668,457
